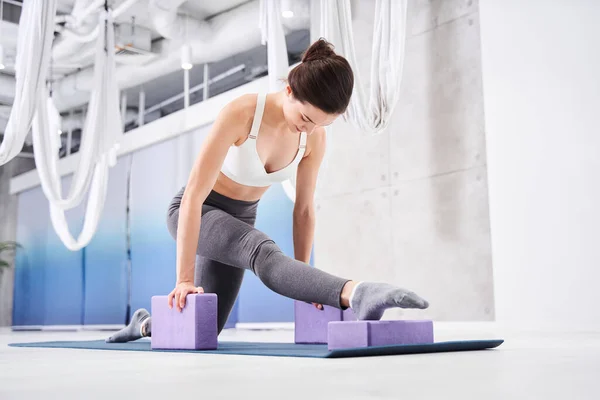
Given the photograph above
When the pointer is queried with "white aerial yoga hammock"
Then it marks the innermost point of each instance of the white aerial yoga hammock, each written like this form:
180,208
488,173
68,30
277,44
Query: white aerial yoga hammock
277,59
34,47
387,58
33,108
370,115
272,32
102,131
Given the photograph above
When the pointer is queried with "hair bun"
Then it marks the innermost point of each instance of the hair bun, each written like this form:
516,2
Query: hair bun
319,50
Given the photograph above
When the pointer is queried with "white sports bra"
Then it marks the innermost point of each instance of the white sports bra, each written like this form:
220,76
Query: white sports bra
243,165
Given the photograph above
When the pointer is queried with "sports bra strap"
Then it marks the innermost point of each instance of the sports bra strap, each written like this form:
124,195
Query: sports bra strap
258,114
303,138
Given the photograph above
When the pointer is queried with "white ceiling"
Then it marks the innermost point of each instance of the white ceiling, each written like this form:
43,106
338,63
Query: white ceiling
199,9
202,9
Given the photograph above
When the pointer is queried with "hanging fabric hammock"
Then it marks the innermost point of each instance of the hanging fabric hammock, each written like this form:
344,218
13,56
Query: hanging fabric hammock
371,115
277,59
102,131
272,33
33,109
34,45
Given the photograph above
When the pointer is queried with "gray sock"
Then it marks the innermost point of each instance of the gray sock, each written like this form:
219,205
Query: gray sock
370,299
133,331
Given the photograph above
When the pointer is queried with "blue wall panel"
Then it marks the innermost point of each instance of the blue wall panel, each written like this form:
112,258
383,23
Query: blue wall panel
64,270
33,223
153,249
49,277
106,256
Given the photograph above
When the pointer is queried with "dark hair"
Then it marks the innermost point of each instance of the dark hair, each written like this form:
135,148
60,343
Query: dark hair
323,78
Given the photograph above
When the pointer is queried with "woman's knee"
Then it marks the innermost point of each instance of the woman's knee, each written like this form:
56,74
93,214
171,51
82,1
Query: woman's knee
172,221
267,255
228,240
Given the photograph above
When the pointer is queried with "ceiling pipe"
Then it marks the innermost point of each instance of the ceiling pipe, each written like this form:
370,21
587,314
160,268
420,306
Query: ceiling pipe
170,25
84,20
90,8
74,40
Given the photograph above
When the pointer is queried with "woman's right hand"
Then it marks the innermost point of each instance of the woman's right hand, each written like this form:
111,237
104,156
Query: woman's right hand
180,292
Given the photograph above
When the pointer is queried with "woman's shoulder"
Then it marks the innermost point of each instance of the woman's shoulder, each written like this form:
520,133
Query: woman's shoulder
242,106
316,141
238,114
236,117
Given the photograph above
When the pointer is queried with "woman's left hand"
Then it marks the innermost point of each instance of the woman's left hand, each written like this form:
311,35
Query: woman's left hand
319,306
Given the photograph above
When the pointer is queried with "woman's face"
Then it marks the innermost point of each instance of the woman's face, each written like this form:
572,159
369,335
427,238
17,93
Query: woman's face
304,117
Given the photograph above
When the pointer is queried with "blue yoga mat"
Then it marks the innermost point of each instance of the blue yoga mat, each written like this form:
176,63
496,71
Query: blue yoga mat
281,349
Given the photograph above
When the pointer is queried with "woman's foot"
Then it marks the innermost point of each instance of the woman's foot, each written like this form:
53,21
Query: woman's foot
136,329
369,300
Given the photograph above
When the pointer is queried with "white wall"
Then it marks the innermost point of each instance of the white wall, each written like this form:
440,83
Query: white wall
541,83
410,206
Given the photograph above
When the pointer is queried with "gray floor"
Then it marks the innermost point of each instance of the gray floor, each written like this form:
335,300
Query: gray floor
527,366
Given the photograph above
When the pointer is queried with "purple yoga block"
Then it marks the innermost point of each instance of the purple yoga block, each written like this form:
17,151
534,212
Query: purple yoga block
194,328
352,334
310,323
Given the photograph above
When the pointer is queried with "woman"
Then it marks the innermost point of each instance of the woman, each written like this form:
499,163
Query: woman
255,142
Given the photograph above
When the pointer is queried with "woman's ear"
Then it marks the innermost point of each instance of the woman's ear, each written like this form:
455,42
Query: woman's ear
288,90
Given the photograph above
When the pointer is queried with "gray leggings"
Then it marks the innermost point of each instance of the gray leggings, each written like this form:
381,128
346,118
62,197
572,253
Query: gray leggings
228,244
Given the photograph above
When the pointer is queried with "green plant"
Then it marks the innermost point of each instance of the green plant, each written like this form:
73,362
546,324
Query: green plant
4,248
